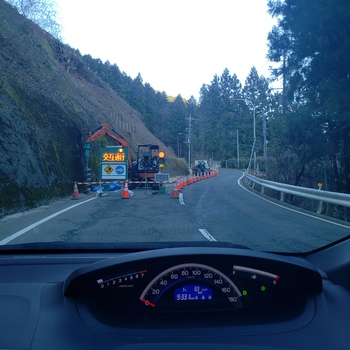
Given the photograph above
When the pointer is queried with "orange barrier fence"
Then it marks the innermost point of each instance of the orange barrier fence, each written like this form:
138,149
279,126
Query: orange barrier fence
178,184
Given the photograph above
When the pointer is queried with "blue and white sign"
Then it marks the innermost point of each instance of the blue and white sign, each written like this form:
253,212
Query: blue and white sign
119,170
113,171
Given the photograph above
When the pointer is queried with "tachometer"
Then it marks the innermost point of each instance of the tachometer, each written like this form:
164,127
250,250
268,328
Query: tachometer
190,286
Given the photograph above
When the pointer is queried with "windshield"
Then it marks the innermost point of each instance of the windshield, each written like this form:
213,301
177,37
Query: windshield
144,124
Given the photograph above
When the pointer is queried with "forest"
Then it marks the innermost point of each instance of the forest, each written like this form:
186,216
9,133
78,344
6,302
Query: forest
302,131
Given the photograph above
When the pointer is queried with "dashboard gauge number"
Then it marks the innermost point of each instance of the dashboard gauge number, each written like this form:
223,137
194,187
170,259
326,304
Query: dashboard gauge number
121,280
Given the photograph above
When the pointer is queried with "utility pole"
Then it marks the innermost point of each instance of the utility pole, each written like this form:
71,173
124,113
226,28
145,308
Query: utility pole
246,100
237,150
189,140
265,142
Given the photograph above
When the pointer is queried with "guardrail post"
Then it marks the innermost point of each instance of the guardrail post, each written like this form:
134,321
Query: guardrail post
320,204
282,196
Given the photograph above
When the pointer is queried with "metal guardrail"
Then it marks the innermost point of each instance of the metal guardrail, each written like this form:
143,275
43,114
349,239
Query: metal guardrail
316,194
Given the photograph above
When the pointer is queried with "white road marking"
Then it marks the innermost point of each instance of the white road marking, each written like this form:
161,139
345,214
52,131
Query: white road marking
207,235
28,228
181,198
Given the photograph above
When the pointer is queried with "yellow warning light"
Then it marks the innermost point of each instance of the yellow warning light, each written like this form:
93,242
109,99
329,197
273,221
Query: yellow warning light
161,160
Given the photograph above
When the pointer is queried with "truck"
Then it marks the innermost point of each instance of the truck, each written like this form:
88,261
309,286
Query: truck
200,167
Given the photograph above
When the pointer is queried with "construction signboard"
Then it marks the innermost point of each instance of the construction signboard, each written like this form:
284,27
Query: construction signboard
114,163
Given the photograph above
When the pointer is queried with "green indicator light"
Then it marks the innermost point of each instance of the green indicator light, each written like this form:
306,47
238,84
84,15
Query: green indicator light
263,288
244,292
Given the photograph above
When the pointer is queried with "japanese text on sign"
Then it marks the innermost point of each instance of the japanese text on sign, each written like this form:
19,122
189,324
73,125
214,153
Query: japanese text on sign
113,157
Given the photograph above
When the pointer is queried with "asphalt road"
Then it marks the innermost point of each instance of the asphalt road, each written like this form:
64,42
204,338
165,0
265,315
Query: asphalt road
214,209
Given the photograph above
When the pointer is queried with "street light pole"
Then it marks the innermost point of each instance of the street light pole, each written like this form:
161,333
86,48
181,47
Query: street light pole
254,131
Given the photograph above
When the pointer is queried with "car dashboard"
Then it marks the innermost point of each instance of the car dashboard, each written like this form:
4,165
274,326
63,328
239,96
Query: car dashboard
182,297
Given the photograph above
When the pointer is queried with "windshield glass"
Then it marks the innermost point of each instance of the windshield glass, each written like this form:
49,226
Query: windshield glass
153,123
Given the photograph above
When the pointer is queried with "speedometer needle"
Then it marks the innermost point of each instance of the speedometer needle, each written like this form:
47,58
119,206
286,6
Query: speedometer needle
147,303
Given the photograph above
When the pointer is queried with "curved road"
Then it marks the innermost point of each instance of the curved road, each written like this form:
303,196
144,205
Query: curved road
232,213
215,209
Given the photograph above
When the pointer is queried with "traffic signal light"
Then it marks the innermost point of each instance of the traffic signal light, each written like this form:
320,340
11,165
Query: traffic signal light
161,159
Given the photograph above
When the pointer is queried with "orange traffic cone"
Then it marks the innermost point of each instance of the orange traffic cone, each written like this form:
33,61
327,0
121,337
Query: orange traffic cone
126,193
179,184
75,191
175,193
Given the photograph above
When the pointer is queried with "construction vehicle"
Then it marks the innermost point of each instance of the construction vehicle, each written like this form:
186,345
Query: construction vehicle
146,164
143,168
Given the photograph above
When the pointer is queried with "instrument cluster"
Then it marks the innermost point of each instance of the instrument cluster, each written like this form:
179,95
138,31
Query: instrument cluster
192,287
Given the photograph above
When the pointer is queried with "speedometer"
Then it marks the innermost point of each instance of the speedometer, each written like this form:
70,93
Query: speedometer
190,286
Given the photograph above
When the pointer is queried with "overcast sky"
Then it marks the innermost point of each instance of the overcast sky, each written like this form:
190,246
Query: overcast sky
176,46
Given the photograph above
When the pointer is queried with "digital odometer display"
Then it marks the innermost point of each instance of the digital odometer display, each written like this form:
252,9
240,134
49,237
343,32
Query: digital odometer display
191,292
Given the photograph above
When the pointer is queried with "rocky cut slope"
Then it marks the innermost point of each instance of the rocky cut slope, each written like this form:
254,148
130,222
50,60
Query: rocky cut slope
49,101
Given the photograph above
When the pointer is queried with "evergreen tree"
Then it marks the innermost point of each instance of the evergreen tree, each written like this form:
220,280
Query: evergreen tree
177,123
316,72
137,97
221,116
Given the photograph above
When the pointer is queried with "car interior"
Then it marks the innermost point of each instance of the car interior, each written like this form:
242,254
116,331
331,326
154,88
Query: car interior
173,295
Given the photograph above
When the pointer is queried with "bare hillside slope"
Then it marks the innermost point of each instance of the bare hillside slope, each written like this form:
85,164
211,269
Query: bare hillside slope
49,101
